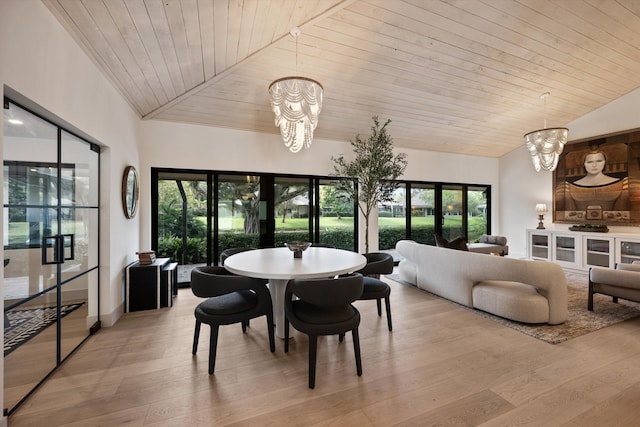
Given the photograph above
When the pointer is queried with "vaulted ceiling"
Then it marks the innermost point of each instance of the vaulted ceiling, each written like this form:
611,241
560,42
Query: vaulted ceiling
460,76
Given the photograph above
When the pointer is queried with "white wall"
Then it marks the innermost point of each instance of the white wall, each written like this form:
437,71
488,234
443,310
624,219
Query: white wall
184,146
41,62
521,187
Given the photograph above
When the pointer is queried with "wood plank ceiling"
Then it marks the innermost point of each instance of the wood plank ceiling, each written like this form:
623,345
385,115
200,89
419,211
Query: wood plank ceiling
460,76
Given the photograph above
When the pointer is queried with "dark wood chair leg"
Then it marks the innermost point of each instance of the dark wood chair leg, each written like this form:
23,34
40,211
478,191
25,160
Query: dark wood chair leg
340,337
196,336
313,348
356,350
615,300
213,345
387,306
286,335
590,297
270,331
379,304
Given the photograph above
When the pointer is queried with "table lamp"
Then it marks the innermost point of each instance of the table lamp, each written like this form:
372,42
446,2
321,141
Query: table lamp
541,208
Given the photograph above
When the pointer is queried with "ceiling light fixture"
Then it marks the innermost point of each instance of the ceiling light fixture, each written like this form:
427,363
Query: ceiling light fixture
546,145
296,102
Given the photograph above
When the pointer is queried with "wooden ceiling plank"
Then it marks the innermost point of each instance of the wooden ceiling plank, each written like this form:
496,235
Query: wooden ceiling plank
262,30
133,37
373,73
162,31
234,26
176,24
193,35
152,46
574,42
247,27
80,16
282,26
111,33
613,40
624,23
450,48
90,50
271,21
547,38
220,21
464,34
207,36
440,65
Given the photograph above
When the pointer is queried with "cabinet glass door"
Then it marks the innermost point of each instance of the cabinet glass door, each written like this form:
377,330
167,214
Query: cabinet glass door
565,249
539,246
629,251
598,252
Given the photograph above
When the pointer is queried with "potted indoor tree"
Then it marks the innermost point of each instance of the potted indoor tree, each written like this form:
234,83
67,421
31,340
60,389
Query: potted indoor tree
375,167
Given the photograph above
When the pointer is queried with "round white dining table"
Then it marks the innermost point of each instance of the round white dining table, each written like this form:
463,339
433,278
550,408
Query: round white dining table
279,266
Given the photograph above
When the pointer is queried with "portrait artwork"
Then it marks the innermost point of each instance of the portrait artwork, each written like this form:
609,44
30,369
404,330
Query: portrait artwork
598,181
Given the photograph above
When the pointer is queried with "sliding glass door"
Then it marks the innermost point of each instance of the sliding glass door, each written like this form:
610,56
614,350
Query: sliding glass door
423,213
292,210
207,212
453,220
239,209
450,210
337,217
51,193
182,220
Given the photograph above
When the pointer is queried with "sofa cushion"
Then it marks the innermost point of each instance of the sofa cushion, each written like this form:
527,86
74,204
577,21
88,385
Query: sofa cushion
494,240
512,300
458,243
628,267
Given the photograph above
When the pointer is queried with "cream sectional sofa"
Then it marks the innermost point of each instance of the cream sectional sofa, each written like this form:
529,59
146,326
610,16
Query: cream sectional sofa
522,290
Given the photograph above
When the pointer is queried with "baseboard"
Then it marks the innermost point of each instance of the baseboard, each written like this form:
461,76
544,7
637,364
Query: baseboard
110,319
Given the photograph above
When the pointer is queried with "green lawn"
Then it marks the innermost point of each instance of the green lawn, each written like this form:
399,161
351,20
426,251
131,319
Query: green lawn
346,223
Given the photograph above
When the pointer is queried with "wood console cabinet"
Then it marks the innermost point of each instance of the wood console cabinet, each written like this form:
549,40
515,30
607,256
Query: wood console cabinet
582,250
150,286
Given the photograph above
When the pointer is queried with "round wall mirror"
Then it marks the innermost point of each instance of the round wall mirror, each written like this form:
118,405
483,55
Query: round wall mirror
130,191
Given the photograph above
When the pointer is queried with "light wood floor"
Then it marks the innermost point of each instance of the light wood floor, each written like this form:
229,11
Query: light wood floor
442,365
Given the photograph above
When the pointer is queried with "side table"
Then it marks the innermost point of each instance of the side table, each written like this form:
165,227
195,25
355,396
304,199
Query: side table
150,286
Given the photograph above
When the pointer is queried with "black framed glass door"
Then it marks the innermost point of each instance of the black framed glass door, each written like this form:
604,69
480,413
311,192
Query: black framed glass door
51,209
209,211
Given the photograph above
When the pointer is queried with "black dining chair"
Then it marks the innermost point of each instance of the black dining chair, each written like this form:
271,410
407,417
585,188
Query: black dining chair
377,263
323,245
323,307
231,251
230,299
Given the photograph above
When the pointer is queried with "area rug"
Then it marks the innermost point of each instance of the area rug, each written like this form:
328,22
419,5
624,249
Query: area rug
580,320
22,325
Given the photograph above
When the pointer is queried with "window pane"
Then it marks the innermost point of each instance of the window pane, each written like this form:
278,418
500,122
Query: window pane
336,217
452,211
392,220
476,212
182,221
423,213
291,210
238,212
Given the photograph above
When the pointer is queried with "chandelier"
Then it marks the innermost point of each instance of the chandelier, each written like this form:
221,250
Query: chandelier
296,102
546,145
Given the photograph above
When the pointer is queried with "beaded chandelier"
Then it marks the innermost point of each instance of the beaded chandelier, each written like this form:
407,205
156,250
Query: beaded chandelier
545,145
296,102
